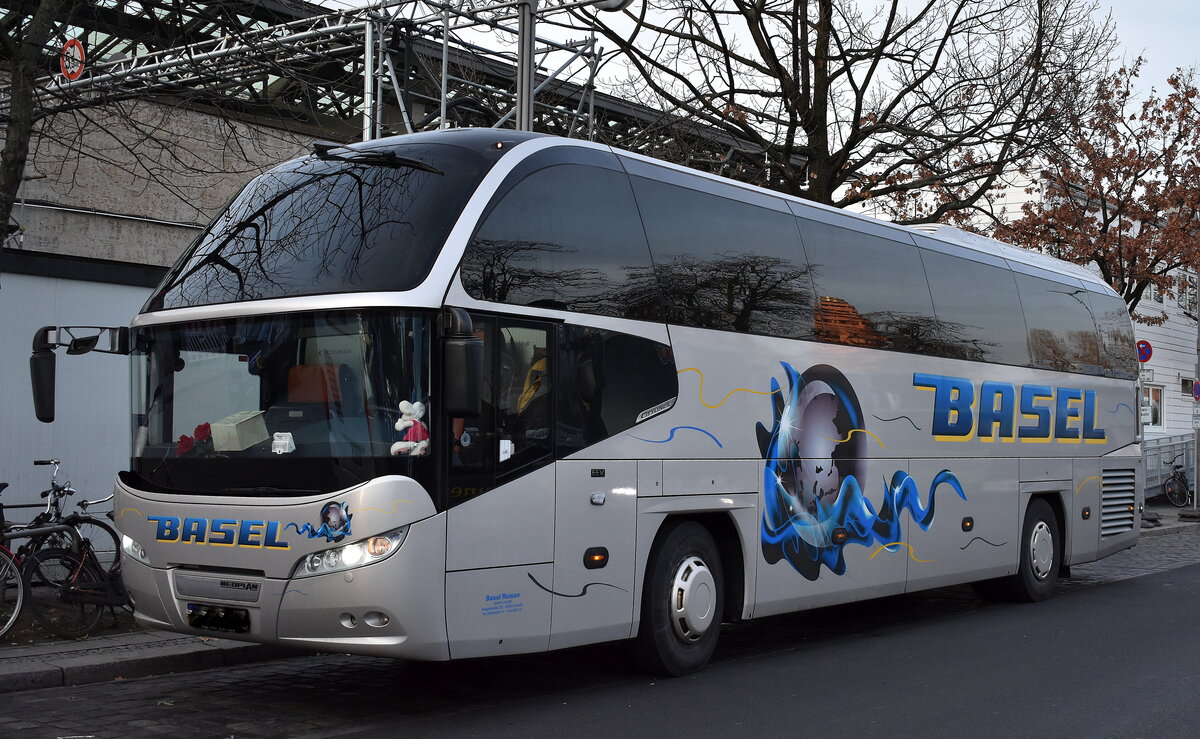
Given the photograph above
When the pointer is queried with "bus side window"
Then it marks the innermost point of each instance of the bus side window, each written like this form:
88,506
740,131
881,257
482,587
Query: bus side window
607,383
524,406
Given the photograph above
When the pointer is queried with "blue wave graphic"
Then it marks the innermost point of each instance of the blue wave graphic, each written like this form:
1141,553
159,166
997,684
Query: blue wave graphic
806,541
680,428
324,530
1118,406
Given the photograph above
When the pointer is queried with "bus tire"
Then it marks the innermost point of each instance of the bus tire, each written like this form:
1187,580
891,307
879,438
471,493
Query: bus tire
681,602
1041,553
1040,564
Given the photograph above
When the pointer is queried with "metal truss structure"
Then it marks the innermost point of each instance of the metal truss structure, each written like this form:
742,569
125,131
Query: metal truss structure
396,67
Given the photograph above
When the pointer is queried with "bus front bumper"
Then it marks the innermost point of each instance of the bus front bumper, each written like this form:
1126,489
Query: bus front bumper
393,608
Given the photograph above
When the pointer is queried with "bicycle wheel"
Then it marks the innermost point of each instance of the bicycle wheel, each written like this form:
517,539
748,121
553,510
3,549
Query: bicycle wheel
12,593
54,579
1175,491
106,544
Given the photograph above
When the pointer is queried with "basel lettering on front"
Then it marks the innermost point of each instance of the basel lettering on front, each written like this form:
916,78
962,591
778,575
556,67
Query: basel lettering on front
219,532
1047,414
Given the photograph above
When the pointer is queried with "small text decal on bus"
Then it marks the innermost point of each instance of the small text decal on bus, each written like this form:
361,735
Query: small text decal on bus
219,532
1065,415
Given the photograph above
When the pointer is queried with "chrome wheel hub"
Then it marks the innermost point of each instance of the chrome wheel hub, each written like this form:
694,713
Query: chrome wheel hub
693,599
1041,550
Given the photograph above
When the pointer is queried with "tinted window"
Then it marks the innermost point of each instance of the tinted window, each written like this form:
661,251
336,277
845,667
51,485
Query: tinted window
1062,335
725,264
871,291
978,311
1118,348
608,382
565,237
325,226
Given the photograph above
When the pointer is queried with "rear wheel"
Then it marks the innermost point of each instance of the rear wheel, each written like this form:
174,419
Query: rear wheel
1041,553
12,592
1175,492
55,581
681,602
1041,559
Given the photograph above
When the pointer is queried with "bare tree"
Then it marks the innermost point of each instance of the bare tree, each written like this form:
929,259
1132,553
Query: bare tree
879,99
23,44
171,147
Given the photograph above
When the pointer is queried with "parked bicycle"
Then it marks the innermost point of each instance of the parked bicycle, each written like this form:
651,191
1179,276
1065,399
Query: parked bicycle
67,569
106,543
1175,487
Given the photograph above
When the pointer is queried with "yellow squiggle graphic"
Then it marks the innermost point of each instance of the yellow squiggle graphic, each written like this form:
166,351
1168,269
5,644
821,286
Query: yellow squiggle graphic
911,553
394,504
1084,482
852,433
700,390
127,510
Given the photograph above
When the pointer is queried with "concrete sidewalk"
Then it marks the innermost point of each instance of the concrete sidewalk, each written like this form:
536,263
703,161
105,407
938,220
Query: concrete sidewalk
142,654
1168,519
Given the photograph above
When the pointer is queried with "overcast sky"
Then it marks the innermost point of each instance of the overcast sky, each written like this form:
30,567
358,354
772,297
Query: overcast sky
1166,32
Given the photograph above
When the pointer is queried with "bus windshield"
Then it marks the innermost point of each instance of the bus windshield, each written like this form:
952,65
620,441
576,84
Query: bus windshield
281,405
362,221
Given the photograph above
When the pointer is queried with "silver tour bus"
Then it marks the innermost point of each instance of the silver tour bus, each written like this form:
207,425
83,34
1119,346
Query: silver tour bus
479,392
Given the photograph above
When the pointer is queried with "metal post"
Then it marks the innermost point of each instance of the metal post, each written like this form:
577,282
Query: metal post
525,64
368,109
445,64
377,119
1196,378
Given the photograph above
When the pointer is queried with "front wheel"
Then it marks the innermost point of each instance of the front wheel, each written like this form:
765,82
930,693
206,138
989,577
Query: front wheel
1175,491
681,602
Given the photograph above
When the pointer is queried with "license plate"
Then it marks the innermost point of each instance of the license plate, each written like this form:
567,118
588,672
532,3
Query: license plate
218,618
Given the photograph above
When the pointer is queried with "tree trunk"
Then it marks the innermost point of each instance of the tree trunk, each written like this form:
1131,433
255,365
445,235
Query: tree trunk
18,129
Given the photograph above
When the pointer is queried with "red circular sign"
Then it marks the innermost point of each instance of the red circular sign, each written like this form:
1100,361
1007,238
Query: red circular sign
1145,351
70,61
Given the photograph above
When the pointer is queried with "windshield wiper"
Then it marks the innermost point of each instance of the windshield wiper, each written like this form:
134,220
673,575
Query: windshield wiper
324,151
268,490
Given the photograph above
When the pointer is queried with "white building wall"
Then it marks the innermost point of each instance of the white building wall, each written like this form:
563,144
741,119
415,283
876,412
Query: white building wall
91,433
1173,361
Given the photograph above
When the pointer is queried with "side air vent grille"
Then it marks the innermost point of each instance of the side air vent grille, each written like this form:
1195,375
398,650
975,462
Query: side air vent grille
1118,498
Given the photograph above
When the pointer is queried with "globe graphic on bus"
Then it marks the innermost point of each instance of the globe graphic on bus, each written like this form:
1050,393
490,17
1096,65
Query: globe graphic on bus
814,505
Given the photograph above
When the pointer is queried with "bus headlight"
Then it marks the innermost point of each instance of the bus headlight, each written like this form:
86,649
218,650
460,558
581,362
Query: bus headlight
132,549
359,553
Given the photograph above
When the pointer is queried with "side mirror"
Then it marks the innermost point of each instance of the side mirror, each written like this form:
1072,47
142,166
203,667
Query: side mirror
462,365
41,374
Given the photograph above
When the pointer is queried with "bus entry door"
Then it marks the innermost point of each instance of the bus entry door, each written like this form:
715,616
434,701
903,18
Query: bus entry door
595,511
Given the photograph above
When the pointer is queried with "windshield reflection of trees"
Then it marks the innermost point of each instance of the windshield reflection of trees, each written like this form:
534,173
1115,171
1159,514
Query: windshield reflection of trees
321,224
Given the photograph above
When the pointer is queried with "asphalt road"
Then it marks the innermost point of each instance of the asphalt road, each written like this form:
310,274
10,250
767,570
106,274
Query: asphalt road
1112,654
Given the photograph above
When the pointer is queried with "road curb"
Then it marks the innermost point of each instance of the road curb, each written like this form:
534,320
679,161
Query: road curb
30,668
1180,528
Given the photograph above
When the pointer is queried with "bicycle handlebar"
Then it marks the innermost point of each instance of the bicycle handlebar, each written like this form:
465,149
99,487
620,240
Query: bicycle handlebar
64,489
83,504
